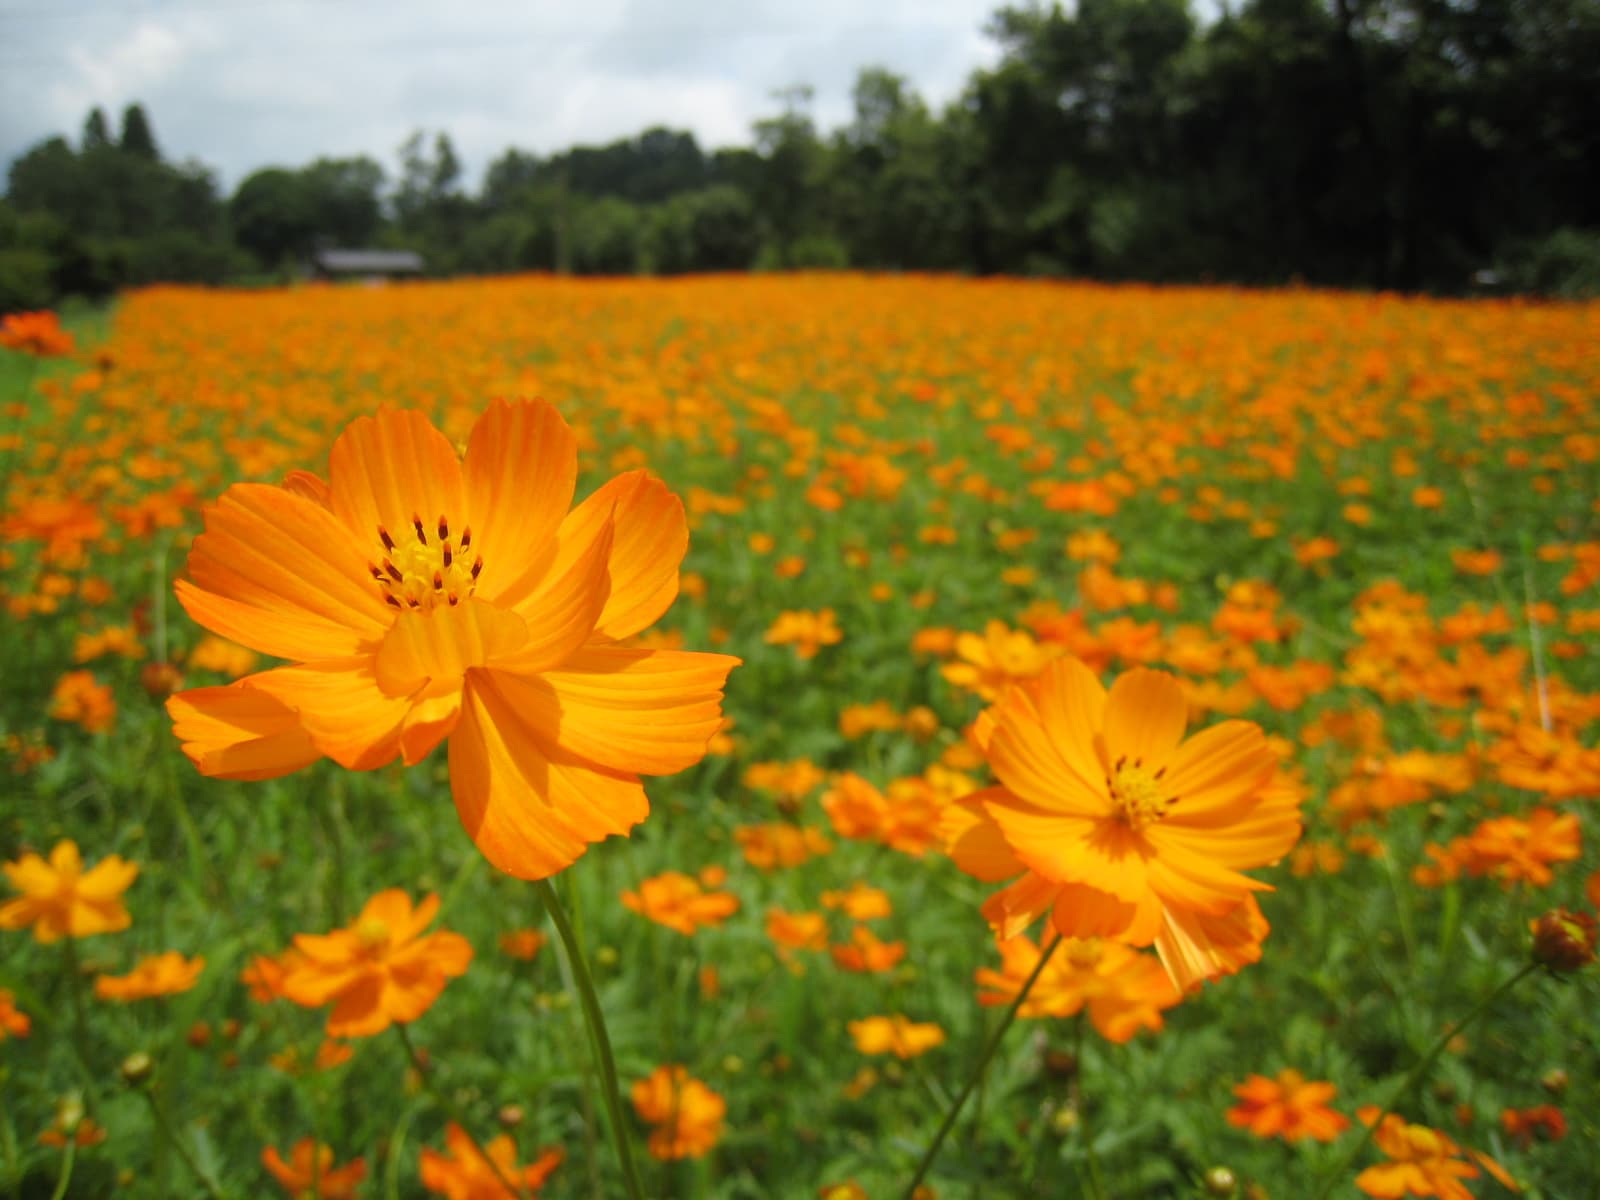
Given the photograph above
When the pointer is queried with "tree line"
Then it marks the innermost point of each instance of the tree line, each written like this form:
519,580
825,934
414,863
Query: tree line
1406,144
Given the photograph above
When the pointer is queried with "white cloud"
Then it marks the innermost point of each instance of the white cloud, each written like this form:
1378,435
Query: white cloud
250,83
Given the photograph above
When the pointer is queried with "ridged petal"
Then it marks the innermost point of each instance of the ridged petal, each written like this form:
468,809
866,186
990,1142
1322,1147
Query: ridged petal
237,732
384,470
975,841
1216,774
646,711
1071,703
279,574
652,536
348,716
561,613
519,474
1102,853
532,808
1145,717
1026,757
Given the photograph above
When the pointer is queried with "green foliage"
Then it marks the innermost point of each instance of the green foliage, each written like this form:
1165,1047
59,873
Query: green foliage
1566,264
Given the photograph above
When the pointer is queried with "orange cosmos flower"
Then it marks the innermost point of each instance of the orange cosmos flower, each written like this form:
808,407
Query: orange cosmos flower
680,902
13,1021
463,1173
37,333
779,844
792,931
806,631
379,970
156,975
523,944
1543,1121
860,901
994,661
83,700
686,1113
1117,826
421,596
310,1174
60,899
1288,1106
1124,991
895,1035
867,952
1424,1162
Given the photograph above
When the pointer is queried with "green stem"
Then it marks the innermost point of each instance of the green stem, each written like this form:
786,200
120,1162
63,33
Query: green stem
69,1154
983,1065
1415,1077
450,1110
1097,1186
80,1026
178,1144
599,1042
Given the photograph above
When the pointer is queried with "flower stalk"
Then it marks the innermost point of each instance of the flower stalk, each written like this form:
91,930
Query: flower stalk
989,1049
599,1041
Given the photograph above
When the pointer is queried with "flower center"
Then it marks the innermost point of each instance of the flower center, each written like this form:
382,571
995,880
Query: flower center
1139,796
1084,953
418,571
372,933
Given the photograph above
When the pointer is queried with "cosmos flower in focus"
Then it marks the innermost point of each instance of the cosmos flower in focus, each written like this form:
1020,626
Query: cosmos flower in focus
420,596
60,899
1117,826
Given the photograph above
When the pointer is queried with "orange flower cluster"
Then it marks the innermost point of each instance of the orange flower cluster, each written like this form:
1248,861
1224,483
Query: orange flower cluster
1512,850
687,1115
82,699
13,1021
36,333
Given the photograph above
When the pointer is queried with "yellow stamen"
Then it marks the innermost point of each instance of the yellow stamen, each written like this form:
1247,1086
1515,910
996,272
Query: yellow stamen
1139,797
417,573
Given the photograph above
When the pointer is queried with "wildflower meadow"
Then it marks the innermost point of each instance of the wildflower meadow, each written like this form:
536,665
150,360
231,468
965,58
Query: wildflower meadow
810,735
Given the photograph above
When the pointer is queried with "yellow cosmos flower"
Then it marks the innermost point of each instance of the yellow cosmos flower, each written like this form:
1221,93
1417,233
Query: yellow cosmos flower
60,899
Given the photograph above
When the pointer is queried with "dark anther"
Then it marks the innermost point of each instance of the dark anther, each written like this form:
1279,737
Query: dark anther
476,567
438,582
376,574
394,572
444,529
448,557
1161,772
1121,762
454,600
466,537
388,542
392,600
416,523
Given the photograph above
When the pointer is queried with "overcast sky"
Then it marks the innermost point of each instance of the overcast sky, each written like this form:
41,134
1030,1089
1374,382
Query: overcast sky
241,84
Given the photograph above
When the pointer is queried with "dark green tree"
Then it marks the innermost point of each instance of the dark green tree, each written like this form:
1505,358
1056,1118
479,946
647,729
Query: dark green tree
137,136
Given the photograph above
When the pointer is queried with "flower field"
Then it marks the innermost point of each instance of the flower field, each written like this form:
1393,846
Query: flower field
800,736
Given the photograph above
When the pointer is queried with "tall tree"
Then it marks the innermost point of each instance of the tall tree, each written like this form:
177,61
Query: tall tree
137,136
96,133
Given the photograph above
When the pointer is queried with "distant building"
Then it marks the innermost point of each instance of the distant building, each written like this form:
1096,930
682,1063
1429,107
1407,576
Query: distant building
373,266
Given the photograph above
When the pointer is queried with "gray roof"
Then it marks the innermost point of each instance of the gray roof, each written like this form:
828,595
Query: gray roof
367,261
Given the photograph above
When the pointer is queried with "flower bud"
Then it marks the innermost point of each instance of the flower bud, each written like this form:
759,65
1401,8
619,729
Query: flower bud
1564,941
509,1116
137,1068
160,679
1220,1181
